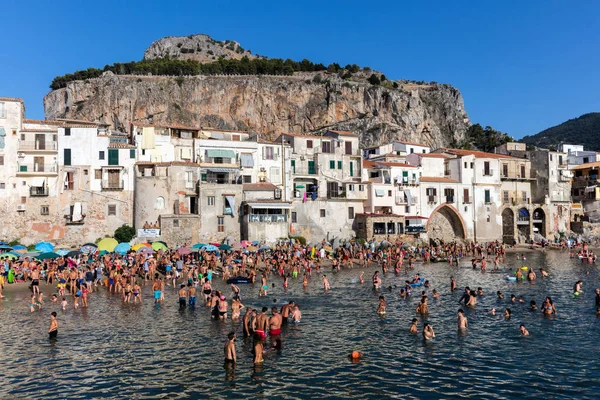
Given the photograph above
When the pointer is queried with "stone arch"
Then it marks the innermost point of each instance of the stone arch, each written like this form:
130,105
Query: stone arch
508,226
539,221
523,225
446,224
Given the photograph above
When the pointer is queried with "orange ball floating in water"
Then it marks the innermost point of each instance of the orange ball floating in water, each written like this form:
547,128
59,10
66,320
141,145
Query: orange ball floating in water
355,355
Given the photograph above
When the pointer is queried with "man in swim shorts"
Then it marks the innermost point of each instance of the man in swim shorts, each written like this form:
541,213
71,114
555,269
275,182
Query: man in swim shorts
285,312
275,322
182,296
53,330
262,322
156,287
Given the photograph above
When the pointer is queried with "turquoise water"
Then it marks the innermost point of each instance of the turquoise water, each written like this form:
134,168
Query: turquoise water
130,351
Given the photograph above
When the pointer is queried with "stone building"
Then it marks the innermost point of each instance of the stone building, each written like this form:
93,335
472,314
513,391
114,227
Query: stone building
265,215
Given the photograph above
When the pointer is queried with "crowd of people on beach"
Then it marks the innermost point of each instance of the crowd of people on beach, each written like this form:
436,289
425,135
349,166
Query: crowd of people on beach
76,279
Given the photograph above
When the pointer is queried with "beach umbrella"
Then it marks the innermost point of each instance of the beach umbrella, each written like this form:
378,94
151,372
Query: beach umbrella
210,247
8,256
198,245
145,249
157,246
102,252
19,247
136,247
5,247
264,247
184,251
44,247
237,246
45,256
73,254
87,249
30,254
255,242
225,247
62,252
122,248
251,248
107,244
245,243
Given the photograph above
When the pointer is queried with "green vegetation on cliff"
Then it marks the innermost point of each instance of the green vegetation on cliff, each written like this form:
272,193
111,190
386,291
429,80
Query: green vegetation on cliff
484,139
584,130
167,66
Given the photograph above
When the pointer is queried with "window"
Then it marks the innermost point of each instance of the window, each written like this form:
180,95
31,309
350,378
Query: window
361,188
311,167
466,198
350,212
406,209
505,170
348,147
486,168
309,144
44,210
466,165
277,194
293,162
423,151
175,223
23,200
523,171
131,153
505,196
67,131
449,194
339,165
524,196
113,156
97,174
351,168
294,217
488,197
211,200
323,213
2,110
331,164
23,183
351,188
268,153
488,218
70,180
472,165
112,210
2,185
220,224
85,172
326,147
247,178
67,156
431,195
389,193
159,204
1,160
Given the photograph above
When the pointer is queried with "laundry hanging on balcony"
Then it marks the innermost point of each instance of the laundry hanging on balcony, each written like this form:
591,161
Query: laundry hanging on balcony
246,160
230,205
409,198
523,212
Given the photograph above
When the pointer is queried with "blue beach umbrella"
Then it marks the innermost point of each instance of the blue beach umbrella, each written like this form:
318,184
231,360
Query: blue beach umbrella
62,252
210,247
198,245
122,248
44,247
19,247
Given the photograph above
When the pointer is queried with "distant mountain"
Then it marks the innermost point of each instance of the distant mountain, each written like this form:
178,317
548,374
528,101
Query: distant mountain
583,130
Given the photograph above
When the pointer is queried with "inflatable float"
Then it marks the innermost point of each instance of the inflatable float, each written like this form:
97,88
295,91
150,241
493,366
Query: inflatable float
239,279
418,284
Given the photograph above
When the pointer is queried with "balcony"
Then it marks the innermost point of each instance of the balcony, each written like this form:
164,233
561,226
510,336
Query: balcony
38,191
267,218
40,169
26,145
467,200
489,172
523,220
111,185
432,199
69,220
449,199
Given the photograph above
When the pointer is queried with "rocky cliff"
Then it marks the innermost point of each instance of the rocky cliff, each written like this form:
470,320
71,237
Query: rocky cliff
431,113
200,47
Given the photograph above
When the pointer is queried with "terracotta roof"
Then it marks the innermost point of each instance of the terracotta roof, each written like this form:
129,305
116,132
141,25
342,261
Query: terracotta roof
265,141
432,155
40,130
379,215
41,121
121,146
437,179
394,164
414,217
369,164
168,164
586,166
344,133
253,187
11,99
475,153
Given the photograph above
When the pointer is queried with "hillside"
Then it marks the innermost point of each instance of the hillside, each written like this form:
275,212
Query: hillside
266,96
583,130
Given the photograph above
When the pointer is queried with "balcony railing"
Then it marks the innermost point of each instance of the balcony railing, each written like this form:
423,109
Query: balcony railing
522,220
432,199
400,199
267,218
69,220
37,168
38,191
489,172
109,185
36,145
449,199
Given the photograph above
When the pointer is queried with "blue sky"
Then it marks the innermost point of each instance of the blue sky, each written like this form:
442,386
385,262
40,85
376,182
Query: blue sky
522,66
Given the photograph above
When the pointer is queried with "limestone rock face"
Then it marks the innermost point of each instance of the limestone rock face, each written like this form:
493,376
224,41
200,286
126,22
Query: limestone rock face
201,48
432,114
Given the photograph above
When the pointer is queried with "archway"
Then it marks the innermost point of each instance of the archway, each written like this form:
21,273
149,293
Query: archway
508,226
446,225
523,225
539,221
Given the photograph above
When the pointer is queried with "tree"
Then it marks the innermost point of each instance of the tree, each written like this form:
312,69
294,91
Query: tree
124,233
374,80
383,78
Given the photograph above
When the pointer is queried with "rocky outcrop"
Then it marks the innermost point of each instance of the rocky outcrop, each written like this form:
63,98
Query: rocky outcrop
433,114
201,48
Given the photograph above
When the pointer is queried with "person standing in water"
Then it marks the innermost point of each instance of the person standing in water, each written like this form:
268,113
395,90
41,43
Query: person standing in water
428,332
53,329
462,320
230,355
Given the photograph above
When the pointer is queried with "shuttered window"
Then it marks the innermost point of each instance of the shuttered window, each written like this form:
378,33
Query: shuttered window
113,157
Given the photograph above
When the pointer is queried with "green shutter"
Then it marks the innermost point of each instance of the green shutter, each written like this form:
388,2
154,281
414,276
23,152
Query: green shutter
131,153
339,165
311,167
293,166
351,168
487,196
331,164
113,156
67,156
405,173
